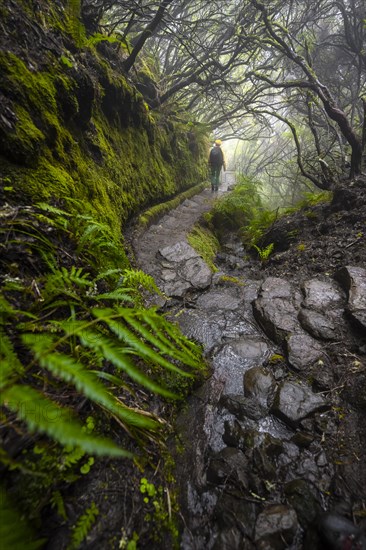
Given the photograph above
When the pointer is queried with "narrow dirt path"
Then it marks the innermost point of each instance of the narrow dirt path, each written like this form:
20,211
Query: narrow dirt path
170,230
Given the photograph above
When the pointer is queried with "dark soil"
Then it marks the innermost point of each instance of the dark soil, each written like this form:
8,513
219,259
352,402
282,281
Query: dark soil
322,238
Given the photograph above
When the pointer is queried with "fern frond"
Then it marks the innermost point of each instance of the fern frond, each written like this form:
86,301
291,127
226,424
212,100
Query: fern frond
110,378
60,218
192,354
53,210
118,358
15,533
118,295
136,344
83,526
10,364
67,369
57,502
136,278
93,228
107,273
45,416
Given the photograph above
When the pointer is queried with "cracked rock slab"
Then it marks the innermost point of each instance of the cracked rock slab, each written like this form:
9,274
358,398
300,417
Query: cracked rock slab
317,324
322,295
276,308
294,402
303,351
353,281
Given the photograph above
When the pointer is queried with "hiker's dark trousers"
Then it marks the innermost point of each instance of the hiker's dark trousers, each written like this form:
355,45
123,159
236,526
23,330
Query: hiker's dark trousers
215,177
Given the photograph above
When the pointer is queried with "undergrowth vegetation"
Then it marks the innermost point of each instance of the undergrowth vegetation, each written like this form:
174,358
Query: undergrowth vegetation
243,212
205,243
76,347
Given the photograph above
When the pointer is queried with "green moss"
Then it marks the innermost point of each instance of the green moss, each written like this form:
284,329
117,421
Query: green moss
205,243
124,160
224,279
154,213
34,87
27,140
66,61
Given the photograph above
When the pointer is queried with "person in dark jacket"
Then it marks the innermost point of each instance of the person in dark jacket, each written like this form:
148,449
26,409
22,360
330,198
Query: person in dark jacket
217,162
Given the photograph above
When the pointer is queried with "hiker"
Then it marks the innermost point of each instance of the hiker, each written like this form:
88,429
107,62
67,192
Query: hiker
216,162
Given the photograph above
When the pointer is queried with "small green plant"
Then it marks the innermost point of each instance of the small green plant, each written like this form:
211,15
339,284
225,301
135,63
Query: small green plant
301,247
83,526
160,509
147,488
264,253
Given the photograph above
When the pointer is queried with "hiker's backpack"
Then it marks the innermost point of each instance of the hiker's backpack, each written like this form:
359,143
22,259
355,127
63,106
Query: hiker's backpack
216,156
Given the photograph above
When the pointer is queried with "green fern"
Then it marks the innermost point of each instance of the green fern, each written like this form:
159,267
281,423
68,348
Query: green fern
11,367
86,338
69,370
57,502
45,416
137,279
119,358
264,253
136,344
83,526
15,533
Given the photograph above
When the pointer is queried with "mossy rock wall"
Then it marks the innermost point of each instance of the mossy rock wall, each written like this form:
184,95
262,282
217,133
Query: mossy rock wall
75,132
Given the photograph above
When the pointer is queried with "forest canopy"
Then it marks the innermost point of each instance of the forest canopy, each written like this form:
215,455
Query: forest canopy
254,70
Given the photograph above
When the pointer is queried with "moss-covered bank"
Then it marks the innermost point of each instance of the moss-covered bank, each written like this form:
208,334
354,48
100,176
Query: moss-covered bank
80,155
75,132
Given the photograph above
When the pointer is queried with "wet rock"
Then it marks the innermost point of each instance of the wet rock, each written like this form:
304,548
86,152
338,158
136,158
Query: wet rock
230,539
308,469
301,495
259,383
178,252
275,310
302,439
251,348
322,295
233,511
290,455
340,533
353,281
204,328
244,407
276,527
176,288
317,324
236,435
215,300
293,403
229,466
303,351
263,464
235,358
231,260
197,272
322,375
183,269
